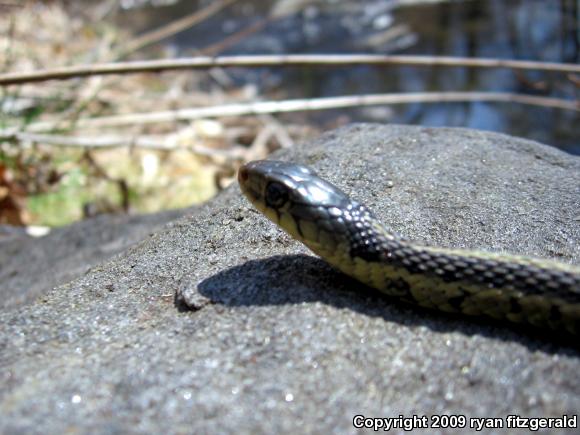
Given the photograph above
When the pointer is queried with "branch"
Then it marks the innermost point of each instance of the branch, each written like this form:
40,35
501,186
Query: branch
233,39
102,142
173,27
263,107
205,62
9,5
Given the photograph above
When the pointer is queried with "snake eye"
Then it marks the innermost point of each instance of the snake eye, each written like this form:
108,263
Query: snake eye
276,195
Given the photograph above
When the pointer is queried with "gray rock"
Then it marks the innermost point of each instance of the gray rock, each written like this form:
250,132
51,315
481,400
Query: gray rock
31,266
264,338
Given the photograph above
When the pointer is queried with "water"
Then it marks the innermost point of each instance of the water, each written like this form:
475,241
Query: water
513,29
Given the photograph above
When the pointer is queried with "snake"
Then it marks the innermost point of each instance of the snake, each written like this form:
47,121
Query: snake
531,291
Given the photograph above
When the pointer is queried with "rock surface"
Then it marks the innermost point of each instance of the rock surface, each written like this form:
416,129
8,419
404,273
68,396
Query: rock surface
32,266
263,338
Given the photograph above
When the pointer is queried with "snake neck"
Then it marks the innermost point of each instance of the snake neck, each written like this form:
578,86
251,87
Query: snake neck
522,289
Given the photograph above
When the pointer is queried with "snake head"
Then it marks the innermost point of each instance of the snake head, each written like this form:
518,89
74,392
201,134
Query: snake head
307,207
282,188
270,184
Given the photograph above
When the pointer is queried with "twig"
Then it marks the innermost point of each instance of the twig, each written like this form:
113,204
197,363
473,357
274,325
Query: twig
10,5
259,147
173,28
262,107
204,62
222,45
574,80
120,182
278,130
234,153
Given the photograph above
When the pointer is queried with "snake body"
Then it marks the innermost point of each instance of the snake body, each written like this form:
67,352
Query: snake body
539,292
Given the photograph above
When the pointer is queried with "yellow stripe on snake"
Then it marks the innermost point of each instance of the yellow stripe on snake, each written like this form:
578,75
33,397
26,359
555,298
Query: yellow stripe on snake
539,292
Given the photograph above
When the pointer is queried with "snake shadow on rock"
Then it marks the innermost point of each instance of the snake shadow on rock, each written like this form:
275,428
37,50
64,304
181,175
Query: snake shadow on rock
297,279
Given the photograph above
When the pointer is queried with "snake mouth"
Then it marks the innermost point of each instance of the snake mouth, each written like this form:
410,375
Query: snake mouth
244,182
243,175
250,187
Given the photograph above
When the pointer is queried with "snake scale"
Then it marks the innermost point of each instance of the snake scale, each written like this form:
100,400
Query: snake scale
539,292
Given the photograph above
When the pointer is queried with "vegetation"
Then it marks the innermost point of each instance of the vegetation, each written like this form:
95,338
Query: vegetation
85,128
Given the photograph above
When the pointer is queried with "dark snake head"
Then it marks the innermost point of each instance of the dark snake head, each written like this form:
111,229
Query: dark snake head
281,189
309,208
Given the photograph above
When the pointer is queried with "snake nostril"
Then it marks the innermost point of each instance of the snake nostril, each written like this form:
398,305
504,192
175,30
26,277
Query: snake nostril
242,174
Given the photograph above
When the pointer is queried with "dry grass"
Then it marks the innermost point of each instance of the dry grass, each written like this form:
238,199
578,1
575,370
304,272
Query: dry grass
205,154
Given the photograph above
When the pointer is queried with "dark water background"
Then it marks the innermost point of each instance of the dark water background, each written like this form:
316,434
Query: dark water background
545,30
